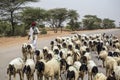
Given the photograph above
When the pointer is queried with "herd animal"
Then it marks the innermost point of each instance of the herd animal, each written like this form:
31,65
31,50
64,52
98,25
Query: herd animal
71,56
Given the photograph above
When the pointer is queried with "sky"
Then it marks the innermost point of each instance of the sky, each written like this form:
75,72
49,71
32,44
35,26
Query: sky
101,8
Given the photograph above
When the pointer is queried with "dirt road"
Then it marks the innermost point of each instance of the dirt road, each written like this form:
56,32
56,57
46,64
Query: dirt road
7,53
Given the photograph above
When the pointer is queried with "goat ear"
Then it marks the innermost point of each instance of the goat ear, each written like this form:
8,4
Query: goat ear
67,66
36,65
37,52
7,70
80,68
29,68
24,68
86,68
14,68
113,73
9,66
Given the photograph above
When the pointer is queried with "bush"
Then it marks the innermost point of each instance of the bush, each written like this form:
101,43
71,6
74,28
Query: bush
43,31
42,26
4,28
68,27
20,30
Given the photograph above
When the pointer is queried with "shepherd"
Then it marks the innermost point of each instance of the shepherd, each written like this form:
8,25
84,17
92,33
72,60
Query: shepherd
33,34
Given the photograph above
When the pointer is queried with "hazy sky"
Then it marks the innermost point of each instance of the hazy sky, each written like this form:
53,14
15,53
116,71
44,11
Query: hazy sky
101,8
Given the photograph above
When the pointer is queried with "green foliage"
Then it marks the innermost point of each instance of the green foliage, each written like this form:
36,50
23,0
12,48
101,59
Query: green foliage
73,20
43,31
68,27
53,17
33,14
56,17
41,26
92,22
108,23
74,25
72,14
4,28
19,31
10,9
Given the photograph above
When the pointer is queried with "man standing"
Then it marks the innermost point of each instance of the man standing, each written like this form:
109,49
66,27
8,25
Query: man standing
33,33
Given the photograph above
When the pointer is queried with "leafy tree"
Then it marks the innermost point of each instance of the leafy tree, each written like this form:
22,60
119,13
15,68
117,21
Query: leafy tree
30,14
92,22
56,17
108,23
9,10
97,23
73,19
74,25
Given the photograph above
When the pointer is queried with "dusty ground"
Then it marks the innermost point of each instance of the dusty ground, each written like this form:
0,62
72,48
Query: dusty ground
8,41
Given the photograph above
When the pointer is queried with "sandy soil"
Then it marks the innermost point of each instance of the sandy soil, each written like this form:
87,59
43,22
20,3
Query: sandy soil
8,41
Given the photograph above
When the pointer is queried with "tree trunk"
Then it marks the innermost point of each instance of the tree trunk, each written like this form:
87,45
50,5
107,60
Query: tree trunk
56,29
73,28
24,32
12,24
61,29
60,25
53,29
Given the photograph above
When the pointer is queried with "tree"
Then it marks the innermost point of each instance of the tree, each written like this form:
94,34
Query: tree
108,23
30,14
56,17
73,19
9,10
91,22
74,25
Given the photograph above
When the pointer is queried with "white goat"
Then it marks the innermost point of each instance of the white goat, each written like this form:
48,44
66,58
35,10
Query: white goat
92,69
29,69
24,51
100,76
117,72
110,64
14,67
48,69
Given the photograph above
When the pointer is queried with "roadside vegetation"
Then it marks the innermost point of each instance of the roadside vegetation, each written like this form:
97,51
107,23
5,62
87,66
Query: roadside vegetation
15,19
